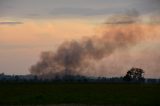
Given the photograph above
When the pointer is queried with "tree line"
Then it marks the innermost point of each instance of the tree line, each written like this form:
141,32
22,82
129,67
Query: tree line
134,75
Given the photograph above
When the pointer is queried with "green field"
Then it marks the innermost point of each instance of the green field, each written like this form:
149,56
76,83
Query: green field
80,93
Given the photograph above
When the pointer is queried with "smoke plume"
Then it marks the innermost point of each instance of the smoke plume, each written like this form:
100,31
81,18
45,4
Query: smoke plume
80,57
76,57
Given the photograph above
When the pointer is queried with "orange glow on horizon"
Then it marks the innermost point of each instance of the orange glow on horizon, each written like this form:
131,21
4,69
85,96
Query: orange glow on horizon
43,32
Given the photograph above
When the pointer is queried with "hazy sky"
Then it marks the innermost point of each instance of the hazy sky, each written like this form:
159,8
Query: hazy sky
29,9
28,27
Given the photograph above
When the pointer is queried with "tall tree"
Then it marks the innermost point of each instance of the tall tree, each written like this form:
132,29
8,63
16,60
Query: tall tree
134,74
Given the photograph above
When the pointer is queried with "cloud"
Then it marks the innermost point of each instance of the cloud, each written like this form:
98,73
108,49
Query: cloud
130,17
79,12
53,8
11,23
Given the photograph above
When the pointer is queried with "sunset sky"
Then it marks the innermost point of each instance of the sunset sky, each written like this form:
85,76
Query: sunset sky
28,27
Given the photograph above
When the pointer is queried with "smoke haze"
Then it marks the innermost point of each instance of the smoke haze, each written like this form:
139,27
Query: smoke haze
105,54
76,57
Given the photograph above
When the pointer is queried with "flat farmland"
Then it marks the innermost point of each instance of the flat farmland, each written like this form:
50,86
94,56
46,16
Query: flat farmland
79,93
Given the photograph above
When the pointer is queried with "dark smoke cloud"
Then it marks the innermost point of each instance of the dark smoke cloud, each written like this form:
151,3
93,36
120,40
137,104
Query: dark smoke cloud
108,53
76,57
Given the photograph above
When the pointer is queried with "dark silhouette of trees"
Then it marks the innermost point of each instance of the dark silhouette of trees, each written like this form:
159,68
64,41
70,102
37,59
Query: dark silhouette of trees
135,75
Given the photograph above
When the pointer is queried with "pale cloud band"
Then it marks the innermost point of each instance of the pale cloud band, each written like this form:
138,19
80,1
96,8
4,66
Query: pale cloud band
73,8
11,23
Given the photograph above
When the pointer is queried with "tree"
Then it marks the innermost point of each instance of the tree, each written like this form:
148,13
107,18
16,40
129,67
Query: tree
134,74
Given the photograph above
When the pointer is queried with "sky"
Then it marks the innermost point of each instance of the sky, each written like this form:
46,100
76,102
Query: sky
28,27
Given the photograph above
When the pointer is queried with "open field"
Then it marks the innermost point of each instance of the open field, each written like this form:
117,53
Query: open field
80,93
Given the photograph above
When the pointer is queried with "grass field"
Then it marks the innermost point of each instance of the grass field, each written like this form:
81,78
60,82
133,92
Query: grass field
80,93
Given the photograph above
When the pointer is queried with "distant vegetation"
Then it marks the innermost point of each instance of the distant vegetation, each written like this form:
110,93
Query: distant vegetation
134,75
